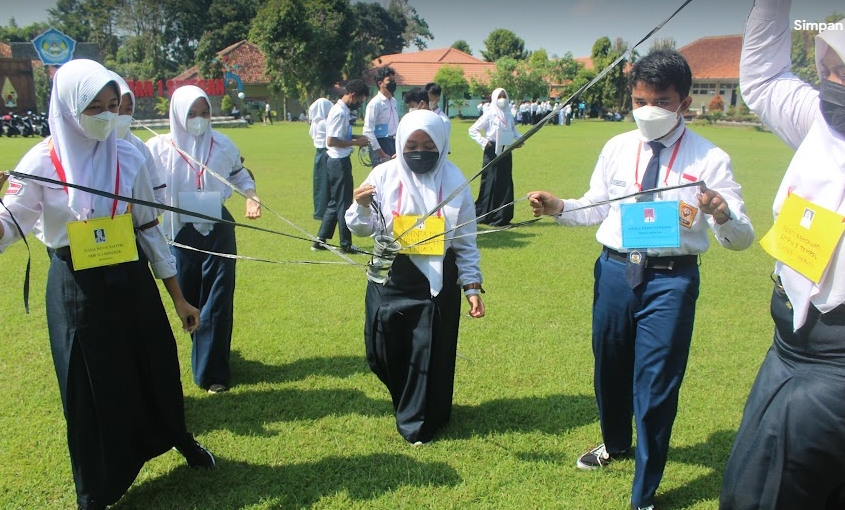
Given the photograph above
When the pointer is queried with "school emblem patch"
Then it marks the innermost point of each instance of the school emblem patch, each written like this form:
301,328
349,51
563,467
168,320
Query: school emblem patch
687,214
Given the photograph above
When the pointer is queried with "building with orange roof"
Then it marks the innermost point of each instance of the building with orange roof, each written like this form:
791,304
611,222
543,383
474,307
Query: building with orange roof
714,61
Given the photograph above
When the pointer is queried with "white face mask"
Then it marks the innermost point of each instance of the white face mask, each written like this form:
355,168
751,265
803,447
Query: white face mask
655,122
197,125
98,127
122,126
502,103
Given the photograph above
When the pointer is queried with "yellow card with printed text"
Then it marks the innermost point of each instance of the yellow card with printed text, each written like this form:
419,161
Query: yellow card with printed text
424,232
804,236
102,242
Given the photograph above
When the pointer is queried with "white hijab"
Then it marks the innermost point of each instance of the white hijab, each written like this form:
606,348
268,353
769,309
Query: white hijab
196,147
421,193
503,114
318,111
86,162
817,174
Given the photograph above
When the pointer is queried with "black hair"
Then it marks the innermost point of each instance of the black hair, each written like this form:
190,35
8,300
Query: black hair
357,87
433,88
662,69
415,96
384,72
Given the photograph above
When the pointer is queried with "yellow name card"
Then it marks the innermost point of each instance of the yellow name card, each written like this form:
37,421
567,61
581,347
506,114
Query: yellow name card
804,236
102,242
423,233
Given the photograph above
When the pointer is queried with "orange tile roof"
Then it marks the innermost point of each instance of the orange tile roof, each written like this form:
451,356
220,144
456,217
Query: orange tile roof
714,57
586,61
420,67
245,55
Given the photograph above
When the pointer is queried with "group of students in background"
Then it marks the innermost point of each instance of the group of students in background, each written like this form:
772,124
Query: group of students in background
114,352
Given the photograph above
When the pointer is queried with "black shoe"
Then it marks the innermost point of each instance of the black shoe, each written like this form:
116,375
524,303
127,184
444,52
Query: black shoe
598,457
318,245
351,249
217,388
197,455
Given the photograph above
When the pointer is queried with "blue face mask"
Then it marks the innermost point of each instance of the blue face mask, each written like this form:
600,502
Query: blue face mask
421,162
832,105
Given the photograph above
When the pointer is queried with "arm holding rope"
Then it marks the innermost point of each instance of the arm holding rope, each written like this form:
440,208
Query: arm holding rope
467,255
359,217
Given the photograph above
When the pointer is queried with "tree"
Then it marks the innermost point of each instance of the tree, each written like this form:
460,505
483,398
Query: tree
662,43
612,91
462,45
503,43
303,44
375,33
228,23
452,83
70,17
13,33
415,30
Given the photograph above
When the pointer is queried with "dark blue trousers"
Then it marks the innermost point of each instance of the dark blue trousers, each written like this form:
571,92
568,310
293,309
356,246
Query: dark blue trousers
641,341
208,282
340,198
321,183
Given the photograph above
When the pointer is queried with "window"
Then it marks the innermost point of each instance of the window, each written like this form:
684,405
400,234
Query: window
703,89
726,88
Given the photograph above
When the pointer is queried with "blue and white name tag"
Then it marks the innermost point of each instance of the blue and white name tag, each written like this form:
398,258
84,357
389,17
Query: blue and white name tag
380,130
650,225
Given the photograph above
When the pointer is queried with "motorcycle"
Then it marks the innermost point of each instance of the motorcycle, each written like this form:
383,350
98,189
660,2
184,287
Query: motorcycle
10,126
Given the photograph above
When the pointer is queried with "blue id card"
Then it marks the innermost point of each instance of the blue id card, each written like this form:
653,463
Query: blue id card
380,130
650,225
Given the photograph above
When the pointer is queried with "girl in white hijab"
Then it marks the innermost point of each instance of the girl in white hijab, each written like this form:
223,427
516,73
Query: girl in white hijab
125,118
113,349
411,323
183,156
317,112
788,450
493,131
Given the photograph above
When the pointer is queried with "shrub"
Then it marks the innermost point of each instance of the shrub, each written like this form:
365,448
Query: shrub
716,104
162,107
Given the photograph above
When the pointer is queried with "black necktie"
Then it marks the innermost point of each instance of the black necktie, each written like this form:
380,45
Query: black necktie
635,266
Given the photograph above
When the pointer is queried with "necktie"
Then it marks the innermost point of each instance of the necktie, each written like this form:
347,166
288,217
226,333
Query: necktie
635,266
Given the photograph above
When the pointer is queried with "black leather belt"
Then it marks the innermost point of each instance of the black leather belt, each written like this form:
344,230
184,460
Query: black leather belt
63,251
664,263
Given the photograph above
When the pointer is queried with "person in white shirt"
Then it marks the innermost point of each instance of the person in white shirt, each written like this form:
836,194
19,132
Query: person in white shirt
113,350
788,452
340,142
646,286
434,93
412,320
184,156
124,122
494,131
268,115
382,117
318,112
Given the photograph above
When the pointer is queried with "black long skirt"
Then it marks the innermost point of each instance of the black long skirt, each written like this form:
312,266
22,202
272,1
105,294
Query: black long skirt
788,452
411,340
495,191
118,373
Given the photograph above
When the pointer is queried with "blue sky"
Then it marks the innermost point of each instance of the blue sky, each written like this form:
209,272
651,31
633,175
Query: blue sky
556,25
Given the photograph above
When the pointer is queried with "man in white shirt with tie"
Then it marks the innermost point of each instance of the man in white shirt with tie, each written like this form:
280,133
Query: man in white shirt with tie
646,285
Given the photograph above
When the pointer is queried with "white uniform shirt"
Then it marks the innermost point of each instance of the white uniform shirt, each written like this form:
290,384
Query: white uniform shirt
362,221
30,201
697,160
318,133
490,123
337,126
158,179
790,108
223,159
381,114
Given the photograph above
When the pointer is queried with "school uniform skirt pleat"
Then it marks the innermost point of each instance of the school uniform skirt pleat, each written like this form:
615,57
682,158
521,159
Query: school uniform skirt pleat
411,342
116,363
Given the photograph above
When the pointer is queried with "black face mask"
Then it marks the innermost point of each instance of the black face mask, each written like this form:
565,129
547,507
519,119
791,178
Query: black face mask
421,162
832,105
391,87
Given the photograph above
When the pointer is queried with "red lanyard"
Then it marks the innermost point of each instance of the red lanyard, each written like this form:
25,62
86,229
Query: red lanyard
61,171
202,170
399,205
668,168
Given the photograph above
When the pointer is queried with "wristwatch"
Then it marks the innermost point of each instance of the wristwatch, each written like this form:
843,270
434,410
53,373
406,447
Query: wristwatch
472,289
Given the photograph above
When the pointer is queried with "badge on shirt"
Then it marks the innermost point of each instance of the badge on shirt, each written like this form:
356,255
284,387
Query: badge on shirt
102,242
804,236
650,225
429,234
687,214
380,130
208,203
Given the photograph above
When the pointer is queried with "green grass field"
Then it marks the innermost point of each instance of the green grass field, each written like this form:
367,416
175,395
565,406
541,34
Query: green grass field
307,425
